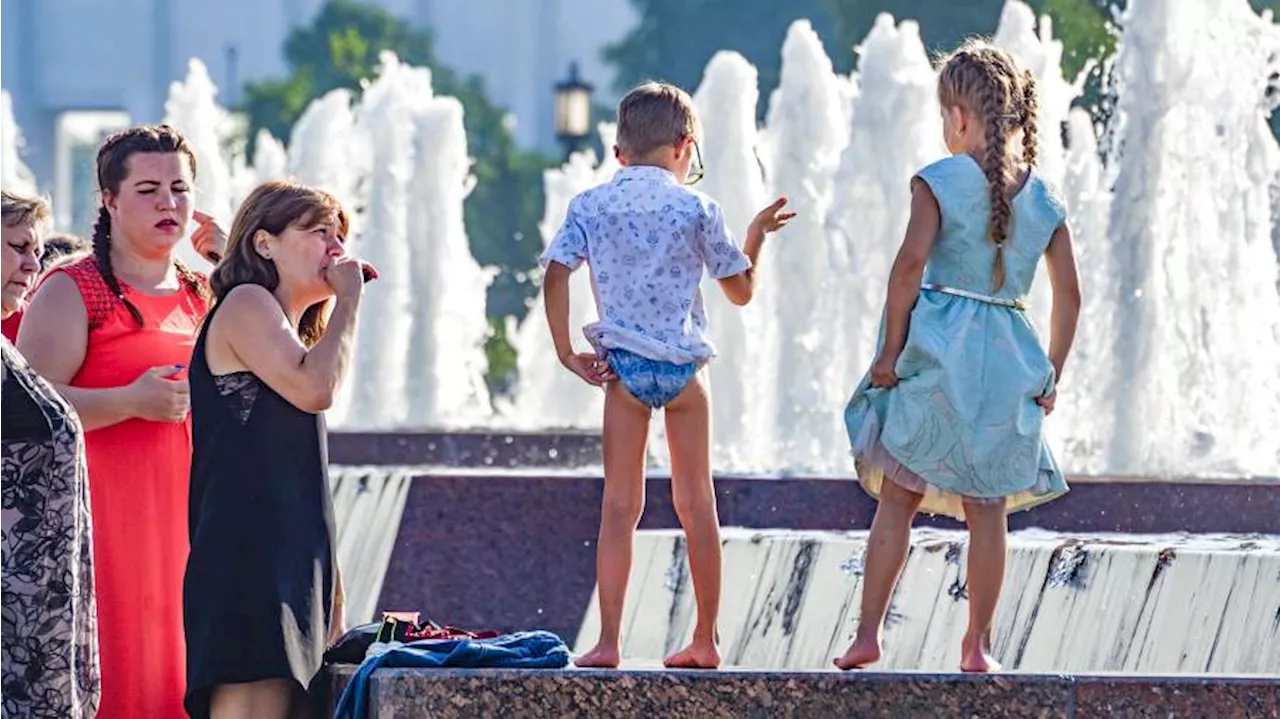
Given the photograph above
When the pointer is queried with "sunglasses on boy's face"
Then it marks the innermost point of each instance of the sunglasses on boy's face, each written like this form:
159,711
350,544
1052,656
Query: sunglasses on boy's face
696,168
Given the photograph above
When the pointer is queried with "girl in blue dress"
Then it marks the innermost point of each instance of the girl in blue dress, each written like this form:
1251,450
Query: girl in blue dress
948,419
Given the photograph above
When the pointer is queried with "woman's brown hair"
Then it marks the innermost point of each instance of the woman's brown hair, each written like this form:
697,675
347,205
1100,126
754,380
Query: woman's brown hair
273,207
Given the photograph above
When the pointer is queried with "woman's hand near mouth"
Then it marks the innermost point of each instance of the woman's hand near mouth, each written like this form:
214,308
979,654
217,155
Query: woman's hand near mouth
208,239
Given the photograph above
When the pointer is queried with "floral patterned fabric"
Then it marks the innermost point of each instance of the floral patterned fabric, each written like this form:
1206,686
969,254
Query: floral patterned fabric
647,239
49,634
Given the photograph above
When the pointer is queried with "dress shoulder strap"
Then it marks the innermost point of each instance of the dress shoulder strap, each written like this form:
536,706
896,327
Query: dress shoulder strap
99,300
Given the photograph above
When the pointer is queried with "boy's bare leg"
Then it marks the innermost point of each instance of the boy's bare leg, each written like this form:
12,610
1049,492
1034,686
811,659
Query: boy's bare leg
626,434
887,549
693,494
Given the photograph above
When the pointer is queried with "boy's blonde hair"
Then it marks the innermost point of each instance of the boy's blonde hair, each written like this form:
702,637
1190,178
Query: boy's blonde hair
22,211
653,115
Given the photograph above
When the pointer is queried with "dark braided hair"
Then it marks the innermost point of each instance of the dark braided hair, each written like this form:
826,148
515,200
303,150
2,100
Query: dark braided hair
113,157
986,81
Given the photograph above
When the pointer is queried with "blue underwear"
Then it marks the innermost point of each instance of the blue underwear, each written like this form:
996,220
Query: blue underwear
653,382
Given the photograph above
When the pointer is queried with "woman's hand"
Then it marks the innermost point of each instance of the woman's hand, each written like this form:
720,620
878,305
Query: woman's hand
209,239
160,394
346,276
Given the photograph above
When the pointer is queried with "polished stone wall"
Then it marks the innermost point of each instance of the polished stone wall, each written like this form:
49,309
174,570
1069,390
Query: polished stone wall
1206,604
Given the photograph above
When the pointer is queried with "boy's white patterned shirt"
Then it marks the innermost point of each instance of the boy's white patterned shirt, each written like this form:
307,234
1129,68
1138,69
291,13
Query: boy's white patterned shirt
647,239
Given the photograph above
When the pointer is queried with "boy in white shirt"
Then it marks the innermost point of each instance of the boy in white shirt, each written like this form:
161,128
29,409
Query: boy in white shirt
647,238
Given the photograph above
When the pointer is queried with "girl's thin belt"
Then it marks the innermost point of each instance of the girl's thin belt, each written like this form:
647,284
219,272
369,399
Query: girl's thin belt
1002,302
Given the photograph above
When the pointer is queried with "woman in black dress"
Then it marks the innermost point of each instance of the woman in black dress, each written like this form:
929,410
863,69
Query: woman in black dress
262,598
49,666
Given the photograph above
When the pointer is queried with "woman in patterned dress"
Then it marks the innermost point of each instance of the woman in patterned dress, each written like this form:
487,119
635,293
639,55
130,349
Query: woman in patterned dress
49,633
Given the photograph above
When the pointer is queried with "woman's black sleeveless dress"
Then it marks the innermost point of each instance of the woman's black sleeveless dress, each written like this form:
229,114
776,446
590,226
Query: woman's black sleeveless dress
259,584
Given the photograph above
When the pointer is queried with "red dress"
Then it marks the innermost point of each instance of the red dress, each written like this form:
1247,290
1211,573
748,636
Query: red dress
9,325
139,474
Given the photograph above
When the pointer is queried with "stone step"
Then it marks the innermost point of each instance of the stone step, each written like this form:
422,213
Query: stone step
1072,603
485,449
449,693
477,524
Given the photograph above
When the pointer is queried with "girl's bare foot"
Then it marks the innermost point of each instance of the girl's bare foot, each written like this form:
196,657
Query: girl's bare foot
861,653
975,656
601,657
700,654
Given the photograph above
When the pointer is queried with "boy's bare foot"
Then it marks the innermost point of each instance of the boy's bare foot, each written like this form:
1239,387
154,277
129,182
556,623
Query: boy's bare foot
861,653
599,658
700,654
976,657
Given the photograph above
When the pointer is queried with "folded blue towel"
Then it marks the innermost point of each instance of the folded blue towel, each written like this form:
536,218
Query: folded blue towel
522,650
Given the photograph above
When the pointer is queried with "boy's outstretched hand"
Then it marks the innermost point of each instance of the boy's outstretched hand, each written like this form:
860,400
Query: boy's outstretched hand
772,218
593,370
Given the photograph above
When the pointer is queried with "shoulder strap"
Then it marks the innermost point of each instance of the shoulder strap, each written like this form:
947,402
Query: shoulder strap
99,300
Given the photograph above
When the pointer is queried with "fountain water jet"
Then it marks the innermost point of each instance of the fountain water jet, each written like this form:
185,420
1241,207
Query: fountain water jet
548,395
726,102
192,108
807,130
14,174
446,362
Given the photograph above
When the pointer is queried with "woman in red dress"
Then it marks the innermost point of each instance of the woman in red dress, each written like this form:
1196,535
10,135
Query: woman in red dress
114,332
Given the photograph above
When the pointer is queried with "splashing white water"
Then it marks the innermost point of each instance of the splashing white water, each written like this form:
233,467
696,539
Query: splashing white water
270,159
807,129
1079,428
549,396
895,130
726,102
193,109
322,150
1198,322
419,354
398,163
446,362
1177,361
15,176
322,154
384,128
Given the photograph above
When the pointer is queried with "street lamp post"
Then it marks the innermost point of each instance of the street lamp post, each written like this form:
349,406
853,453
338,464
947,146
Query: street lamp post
573,110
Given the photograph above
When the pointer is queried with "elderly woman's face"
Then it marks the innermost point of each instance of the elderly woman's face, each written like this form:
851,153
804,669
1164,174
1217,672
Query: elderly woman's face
19,264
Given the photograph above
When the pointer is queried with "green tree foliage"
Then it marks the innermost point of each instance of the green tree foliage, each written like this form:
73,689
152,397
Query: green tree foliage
943,23
675,39
339,49
1082,26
